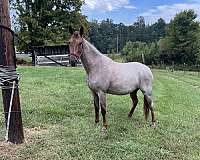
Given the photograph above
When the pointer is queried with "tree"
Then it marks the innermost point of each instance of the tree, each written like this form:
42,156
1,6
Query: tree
158,29
137,30
198,47
104,35
181,38
46,22
133,51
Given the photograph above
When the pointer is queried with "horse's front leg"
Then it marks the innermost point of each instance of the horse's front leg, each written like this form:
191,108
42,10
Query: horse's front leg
96,106
102,101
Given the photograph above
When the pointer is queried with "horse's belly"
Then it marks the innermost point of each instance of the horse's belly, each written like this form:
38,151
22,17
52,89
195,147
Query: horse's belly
121,89
118,92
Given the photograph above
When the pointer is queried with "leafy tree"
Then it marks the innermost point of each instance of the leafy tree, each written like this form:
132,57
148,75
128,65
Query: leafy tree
133,51
181,38
137,30
104,35
157,29
198,47
45,22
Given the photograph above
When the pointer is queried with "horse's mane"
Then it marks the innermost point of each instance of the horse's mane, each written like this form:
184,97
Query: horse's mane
94,49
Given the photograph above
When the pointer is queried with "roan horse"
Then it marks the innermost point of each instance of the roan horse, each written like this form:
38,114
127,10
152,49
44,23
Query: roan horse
106,76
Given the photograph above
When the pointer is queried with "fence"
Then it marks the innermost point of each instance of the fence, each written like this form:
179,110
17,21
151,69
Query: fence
59,53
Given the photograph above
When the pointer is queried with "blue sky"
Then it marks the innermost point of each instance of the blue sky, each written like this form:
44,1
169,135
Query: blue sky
127,11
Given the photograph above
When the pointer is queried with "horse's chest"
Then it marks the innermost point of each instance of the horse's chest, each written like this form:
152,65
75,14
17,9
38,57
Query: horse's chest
97,83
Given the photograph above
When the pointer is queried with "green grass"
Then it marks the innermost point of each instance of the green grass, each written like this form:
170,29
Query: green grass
57,103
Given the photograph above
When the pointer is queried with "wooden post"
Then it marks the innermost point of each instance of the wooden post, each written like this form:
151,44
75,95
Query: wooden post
184,69
33,58
7,58
143,57
172,66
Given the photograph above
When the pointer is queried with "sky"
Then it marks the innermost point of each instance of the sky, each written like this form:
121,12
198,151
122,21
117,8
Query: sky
127,11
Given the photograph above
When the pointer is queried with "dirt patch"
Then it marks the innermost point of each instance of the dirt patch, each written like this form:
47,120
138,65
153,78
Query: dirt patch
30,133
9,150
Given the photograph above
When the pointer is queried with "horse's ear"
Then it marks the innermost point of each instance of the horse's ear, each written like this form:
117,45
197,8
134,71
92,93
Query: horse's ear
81,31
71,30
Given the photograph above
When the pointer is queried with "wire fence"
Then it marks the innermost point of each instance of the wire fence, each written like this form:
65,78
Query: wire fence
179,68
7,76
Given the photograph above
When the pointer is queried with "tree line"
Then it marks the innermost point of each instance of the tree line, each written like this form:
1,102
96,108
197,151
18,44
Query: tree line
175,42
46,22
106,35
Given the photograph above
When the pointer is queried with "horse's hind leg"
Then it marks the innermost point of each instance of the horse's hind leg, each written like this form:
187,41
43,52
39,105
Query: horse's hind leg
134,99
148,105
96,106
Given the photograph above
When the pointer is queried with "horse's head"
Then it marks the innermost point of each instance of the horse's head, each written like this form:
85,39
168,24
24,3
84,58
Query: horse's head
76,43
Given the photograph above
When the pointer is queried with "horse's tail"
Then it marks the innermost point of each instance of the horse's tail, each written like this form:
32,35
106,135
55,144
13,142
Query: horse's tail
146,108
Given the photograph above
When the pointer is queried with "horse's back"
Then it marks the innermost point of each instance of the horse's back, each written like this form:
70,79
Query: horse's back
127,77
143,72
135,68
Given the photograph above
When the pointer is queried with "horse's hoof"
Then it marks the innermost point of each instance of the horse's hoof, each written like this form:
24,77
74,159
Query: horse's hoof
153,125
104,131
129,115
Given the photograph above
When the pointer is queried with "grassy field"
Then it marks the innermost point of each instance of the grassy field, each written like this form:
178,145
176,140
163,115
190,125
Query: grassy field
58,119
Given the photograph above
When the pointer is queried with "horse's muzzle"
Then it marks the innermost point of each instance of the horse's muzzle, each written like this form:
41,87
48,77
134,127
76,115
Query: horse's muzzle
73,60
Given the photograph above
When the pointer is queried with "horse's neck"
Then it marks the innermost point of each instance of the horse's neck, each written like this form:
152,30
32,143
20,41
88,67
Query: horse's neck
91,57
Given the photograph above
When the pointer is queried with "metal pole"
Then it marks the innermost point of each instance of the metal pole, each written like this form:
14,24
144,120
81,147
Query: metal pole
7,58
10,110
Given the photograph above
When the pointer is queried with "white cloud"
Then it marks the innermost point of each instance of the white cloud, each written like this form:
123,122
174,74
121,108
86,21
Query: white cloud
130,7
107,5
169,11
